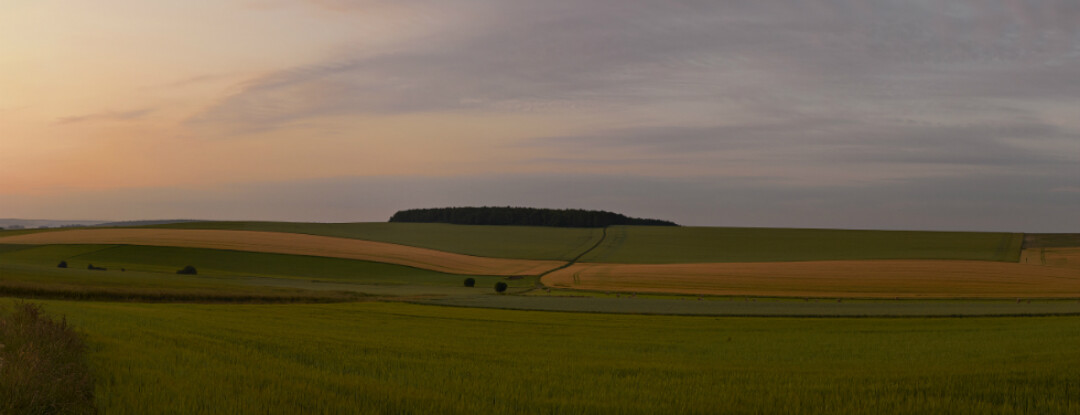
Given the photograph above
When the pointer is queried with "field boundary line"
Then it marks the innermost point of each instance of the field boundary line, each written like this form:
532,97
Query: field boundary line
752,315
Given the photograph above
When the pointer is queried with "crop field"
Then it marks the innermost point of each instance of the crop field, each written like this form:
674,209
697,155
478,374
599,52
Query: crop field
518,242
298,322
837,279
149,273
1052,257
669,245
402,358
293,244
1051,240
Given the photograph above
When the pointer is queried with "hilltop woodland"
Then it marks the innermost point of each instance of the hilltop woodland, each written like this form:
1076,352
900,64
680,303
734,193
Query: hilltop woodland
520,216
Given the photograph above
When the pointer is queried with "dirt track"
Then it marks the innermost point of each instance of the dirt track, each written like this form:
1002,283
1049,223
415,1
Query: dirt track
293,244
869,279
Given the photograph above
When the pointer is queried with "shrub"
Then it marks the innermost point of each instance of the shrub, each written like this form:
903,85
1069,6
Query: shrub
93,268
62,264
42,370
188,270
500,287
470,282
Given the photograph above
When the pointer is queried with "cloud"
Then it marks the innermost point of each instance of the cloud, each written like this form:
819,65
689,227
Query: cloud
833,55
1021,145
106,116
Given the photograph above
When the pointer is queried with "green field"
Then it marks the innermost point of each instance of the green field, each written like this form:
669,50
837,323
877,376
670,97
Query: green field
150,273
402,358
521,242
669,245
1051,240
347,336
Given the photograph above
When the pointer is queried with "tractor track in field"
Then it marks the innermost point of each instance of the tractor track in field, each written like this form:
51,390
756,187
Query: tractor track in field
574,260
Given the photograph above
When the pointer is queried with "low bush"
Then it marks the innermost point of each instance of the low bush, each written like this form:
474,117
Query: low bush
470,282
188,270
62,264
41,365
500,287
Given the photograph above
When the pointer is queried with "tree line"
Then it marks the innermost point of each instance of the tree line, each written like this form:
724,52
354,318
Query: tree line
523,216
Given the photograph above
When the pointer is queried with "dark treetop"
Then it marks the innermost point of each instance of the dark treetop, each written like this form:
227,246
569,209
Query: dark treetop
522,216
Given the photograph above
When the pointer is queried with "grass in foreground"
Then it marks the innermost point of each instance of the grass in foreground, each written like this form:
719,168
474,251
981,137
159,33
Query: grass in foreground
42,370
401,358
667,245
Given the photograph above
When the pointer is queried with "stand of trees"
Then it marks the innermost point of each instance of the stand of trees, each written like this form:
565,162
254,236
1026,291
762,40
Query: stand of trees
521,216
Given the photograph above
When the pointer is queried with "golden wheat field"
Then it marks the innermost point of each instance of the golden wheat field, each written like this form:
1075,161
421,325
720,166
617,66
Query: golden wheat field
852,279
294,244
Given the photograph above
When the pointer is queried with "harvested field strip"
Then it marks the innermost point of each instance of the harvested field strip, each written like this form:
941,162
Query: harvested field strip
847,279
293,244
1052,257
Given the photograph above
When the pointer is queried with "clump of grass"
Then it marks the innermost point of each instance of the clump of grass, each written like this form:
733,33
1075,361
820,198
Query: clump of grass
41,365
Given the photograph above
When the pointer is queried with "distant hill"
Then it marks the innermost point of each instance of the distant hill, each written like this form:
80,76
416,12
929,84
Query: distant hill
39,223
146,222
48,223
522,216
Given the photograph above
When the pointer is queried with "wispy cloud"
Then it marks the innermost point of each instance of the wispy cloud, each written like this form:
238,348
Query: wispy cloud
879,56
106,116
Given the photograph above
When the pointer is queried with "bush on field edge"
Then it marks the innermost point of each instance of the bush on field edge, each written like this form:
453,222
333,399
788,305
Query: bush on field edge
42,368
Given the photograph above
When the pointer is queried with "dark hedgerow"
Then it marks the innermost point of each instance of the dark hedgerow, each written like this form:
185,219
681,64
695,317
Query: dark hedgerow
42,366
500,287
188,270
522,216
470,282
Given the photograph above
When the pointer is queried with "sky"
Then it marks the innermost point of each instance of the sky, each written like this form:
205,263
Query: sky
879,114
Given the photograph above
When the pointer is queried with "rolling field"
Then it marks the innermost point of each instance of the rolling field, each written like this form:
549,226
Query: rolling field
835,279
401,358
518,242
314,325
147,273
669,245
293,244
